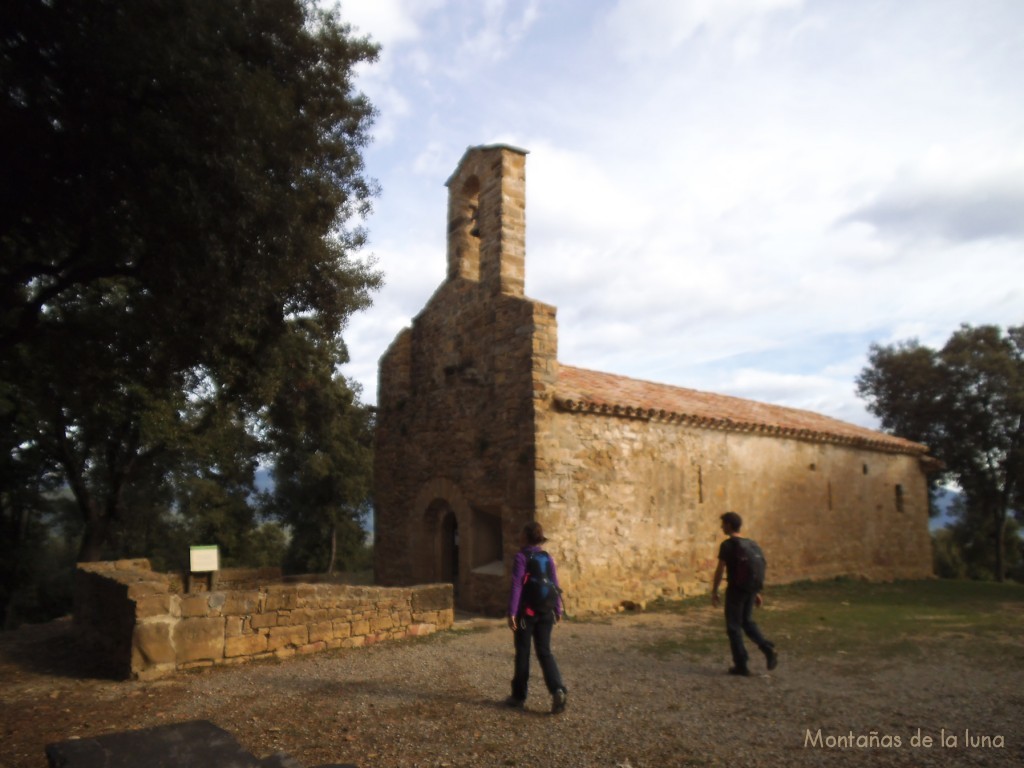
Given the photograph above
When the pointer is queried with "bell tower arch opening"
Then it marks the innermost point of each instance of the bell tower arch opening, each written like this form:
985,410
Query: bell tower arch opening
464,230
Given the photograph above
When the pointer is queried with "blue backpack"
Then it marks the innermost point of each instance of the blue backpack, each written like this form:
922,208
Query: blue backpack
540,595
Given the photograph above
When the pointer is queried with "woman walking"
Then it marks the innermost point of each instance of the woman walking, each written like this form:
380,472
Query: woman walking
534,607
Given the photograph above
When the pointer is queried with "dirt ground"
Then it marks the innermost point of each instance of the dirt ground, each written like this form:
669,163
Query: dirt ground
438,702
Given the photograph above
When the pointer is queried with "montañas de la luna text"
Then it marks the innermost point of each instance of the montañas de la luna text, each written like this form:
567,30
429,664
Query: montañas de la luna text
876,740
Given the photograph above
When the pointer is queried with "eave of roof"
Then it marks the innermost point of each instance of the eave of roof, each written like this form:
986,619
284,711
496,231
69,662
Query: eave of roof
582,391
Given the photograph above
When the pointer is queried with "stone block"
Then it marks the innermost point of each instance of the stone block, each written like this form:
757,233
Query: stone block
135,564
284,637
195,605
321,630
155,672
245,645
280,598
204,664
198,742
341,628
151,645
140,589
241,603
263,620
216,601
153,605
433,597
360,628
198,639
234,626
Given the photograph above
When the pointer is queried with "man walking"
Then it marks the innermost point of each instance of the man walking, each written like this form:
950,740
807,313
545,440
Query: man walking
743,563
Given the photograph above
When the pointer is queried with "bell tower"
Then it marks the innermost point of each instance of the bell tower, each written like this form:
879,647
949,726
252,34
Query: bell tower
487,219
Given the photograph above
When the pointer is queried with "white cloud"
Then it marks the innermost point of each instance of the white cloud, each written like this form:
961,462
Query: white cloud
947,202
388,22
650,29
571,194
499,28
761,191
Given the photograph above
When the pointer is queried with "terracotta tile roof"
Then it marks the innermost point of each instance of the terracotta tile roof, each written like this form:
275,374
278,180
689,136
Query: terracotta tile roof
580,390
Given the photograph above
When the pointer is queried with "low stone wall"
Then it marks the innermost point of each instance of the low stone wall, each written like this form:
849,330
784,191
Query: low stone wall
148,627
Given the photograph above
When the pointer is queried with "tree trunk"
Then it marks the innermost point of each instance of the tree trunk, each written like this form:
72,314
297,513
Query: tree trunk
334,548
1001,546
11,573
94,537
97,520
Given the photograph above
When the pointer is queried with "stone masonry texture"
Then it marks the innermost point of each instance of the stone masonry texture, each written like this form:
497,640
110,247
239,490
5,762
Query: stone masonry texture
148,628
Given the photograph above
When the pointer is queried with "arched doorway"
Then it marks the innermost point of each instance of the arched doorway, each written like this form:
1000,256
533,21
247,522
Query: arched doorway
444,541
439,558
449,549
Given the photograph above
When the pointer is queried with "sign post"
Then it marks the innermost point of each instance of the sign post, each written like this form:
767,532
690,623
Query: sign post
203,559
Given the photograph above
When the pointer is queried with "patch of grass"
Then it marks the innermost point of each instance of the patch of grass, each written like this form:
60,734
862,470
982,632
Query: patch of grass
692,645
889,621
449,635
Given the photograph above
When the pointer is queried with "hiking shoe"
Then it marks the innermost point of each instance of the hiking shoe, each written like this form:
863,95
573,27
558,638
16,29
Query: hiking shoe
772,658
558,701
742,671
515,703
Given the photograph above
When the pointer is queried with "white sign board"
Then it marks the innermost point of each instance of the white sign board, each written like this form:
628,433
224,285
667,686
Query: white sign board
204,559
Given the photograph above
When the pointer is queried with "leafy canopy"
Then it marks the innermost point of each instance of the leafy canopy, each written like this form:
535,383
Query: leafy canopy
966,402
182,182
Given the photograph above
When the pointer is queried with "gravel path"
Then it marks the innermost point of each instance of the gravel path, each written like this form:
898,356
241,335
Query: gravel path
438,702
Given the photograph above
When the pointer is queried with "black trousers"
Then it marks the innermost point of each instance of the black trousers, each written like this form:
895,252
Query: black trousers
535,630
739,607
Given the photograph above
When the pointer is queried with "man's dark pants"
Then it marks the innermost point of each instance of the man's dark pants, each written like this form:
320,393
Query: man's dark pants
535,629
739,607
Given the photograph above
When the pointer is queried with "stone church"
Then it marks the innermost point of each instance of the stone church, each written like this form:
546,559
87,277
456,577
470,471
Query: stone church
481,428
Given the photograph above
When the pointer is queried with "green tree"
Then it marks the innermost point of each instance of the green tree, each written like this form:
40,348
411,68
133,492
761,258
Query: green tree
966,402
322,459
181,181
966,548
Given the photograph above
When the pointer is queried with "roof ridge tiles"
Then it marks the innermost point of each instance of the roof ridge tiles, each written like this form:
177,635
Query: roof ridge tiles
585,391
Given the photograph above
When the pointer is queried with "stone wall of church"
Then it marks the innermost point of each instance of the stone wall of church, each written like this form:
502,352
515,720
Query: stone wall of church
632,507
457,400
455,436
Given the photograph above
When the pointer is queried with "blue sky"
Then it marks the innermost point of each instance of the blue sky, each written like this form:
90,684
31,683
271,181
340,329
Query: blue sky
737,196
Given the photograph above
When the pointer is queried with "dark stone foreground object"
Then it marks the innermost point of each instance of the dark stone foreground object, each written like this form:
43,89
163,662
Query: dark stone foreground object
179,745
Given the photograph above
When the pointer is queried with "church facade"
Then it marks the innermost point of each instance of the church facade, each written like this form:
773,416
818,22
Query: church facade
481,429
